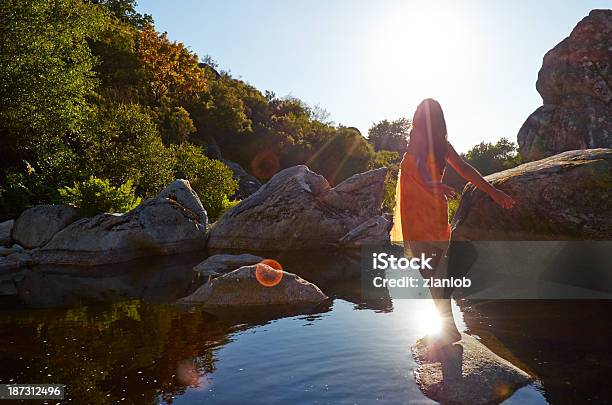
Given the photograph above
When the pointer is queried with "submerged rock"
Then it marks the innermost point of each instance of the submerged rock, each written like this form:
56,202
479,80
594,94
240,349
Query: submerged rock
466,372
564,197
298,210
575,82
256,285
163,225
224,263
37,225
6,229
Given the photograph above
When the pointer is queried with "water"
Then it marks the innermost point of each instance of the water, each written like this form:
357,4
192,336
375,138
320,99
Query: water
345,351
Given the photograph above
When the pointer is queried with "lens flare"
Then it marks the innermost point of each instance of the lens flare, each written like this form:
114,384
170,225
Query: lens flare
265,165
267,275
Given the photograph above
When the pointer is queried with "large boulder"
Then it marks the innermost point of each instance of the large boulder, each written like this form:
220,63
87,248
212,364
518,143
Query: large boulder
575,83
6,228
163,225
298,210
181,192
247,184
256,285
563,197
466,372
224,263
37,225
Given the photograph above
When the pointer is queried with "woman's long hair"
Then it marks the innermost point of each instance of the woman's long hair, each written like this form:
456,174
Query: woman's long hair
428,122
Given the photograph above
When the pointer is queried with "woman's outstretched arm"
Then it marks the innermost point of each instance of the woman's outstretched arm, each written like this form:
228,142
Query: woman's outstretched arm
472,175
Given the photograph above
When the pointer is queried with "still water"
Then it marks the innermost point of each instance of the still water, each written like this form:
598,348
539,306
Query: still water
149,351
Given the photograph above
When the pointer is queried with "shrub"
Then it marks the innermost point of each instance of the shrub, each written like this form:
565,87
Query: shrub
94,196
211,179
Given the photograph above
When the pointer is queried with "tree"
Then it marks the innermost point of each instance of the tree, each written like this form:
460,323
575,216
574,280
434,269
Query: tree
491,158
390,135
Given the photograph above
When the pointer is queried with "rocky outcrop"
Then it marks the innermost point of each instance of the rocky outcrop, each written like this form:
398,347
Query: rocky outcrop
298,210
247,184
563,197
37,225
224,263
255,285
181,192
575,82
466,372
173,222
6,228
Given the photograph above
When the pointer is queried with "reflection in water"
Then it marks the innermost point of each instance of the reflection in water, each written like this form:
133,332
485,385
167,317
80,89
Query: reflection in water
566,344
357,350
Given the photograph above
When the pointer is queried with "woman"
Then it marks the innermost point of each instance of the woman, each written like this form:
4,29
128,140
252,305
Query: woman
423,198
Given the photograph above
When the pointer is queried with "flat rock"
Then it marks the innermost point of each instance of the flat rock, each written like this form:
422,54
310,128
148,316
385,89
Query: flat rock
298,210
575,83
224,263
563,197
6,228
466,372
37,225
255,285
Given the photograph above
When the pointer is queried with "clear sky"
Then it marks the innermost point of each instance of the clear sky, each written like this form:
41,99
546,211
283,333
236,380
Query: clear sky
364,61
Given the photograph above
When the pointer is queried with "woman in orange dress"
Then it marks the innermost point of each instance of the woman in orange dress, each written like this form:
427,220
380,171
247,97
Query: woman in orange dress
423,198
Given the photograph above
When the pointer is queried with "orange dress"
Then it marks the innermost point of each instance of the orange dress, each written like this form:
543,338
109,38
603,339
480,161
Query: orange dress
424,216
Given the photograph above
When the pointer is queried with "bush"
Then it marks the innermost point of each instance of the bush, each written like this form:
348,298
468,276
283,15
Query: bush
94,196
211,179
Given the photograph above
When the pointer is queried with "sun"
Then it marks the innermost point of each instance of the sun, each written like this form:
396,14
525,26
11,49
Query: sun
416,46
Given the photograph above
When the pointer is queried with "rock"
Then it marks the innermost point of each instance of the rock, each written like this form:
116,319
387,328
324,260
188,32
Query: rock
159,226
575,82
224,263
37,225
15,260
374,230
563,197
245,287
247,184
6,228
181,192
466,372
298,210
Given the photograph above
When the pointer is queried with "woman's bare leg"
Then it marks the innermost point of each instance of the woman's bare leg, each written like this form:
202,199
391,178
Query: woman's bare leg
437,251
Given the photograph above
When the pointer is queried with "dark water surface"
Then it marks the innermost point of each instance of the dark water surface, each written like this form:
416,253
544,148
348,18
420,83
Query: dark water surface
345,351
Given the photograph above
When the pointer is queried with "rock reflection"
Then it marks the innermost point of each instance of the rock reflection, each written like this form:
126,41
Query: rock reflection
564,343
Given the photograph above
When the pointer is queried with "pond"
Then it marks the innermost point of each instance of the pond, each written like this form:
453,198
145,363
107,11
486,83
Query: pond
349,350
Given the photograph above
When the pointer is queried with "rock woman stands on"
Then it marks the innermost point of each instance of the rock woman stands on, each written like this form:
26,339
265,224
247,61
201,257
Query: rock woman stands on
423,198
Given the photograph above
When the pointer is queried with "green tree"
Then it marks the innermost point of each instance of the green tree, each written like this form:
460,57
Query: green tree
491,158
45,79
390,135
211,179
94,196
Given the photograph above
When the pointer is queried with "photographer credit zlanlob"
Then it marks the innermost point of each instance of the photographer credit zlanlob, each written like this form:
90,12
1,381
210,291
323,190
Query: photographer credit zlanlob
386,261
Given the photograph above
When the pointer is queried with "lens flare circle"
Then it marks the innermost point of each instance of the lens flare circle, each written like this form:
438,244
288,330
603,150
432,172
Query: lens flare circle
268,272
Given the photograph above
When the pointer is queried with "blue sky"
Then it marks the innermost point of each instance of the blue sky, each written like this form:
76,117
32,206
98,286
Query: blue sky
364,61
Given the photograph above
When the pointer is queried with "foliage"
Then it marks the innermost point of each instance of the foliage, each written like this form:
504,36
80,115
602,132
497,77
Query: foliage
173,72
94,196
123,144
390,135
211,179
125,11
490,158
453,206
389,160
